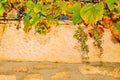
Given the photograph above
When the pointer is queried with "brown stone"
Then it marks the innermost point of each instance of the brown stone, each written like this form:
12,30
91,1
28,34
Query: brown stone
7,77
39,67
61,76
115,73
33,77
89,70
21,69
97,70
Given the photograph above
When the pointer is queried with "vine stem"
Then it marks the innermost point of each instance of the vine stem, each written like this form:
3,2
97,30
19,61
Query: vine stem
9,19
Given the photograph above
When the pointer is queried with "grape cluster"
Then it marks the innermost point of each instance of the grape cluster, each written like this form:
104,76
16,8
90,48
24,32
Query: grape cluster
82,38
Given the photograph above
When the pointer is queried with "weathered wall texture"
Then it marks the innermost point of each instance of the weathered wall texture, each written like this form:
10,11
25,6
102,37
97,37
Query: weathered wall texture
57,46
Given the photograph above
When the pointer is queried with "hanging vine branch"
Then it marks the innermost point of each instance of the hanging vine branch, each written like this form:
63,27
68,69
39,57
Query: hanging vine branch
97,33
82,38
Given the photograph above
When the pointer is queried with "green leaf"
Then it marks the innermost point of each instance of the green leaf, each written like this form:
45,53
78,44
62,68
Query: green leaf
110,3
3,1
118,9
30,5
76,13
92,13
50,18
35,19
36,10
2,10
49,1
76,18
44,10
37,7
26,22
106,13
58,2
118,26
1,5
76,8
57,13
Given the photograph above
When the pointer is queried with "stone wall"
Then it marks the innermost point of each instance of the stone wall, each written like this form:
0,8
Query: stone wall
57,46
10,70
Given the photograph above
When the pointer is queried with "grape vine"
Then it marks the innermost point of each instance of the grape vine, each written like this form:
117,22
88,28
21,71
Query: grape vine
97,33
82,38
42,14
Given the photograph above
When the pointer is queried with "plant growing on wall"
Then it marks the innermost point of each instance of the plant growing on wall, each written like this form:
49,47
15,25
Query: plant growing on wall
2,8
41,14
82,38
98,14
89,14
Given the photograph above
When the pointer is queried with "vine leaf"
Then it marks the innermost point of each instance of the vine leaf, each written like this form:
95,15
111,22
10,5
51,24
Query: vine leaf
35,19
26,22
118,26
3,1
0,5
76,18
76,13
50,1
37,7
2,10
92,13
44,10
30,6
110,3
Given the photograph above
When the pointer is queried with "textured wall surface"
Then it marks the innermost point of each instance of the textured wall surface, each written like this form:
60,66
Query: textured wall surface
57,46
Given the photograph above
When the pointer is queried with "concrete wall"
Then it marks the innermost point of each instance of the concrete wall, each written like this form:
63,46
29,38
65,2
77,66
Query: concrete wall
57,46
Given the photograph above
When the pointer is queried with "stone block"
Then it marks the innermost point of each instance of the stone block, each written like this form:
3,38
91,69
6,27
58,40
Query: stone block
7,77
